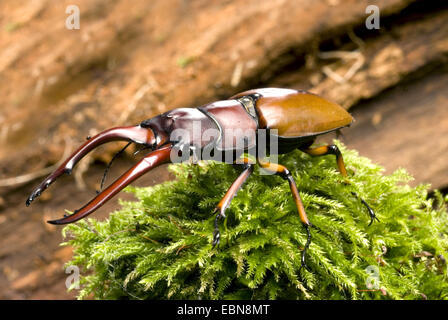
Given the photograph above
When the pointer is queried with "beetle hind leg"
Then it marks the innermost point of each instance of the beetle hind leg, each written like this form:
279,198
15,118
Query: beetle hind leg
334,150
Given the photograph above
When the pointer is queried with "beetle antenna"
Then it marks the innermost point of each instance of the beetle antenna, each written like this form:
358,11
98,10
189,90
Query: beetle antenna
140,150
110,165
339,134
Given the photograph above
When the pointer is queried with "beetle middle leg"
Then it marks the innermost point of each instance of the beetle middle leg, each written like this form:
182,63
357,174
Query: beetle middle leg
248,168
334,150
283,172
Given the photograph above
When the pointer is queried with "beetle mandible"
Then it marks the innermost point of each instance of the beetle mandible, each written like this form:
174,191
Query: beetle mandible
294,118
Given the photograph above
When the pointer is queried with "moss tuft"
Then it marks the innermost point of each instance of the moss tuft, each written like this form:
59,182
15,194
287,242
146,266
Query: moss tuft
160,246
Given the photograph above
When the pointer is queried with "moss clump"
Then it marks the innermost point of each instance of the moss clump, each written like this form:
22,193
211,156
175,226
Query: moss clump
160,246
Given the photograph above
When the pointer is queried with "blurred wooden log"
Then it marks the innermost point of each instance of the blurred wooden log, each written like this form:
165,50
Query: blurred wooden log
128,63
405,50
390,58
406,127
98,70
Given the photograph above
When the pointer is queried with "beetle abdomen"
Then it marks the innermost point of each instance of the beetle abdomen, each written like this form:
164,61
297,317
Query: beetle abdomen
297,113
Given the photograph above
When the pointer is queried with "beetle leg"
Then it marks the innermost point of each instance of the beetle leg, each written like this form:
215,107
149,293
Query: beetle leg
220,209
149,162
330,149
135,134
333,149
283,172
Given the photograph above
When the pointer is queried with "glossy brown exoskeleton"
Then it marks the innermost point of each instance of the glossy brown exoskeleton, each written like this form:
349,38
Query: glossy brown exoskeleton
225,131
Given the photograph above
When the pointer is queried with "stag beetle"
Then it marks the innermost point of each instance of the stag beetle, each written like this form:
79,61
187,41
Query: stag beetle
291,118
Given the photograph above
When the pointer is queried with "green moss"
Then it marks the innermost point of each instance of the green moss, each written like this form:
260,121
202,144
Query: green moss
160,246
183,62
13,26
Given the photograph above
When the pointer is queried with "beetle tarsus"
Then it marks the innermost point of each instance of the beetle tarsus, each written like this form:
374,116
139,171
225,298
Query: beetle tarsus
373,217
216,238
216,233
372,214
334,150
305,249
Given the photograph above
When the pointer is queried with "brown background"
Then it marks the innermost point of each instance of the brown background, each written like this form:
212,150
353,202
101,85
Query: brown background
131,60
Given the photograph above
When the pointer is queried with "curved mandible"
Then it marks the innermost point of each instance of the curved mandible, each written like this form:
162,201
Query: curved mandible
149,162
135,134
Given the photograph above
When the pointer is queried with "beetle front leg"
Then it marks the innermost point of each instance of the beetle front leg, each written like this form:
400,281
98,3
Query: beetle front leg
231,192
334,150
283,172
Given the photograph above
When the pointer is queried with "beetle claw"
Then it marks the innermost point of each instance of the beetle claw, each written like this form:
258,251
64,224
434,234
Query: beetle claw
216,238
373,217
216,233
